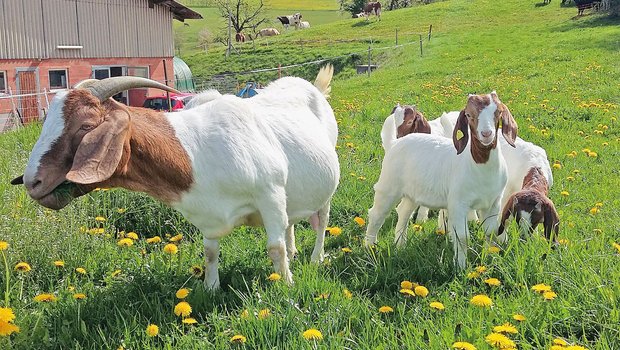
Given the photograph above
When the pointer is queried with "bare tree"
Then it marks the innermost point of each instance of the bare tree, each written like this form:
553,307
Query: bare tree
244,14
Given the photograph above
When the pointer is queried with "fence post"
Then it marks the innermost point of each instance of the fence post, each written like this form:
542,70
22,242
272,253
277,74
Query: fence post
396,36
279,70
369,60
430,30
420,44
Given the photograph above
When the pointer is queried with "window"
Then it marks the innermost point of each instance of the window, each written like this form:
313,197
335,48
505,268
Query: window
58,79
2,83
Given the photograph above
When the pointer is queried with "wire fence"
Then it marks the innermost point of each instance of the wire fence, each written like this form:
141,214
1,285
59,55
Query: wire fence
17,110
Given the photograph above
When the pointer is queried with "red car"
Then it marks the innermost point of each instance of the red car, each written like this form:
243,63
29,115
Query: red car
160,103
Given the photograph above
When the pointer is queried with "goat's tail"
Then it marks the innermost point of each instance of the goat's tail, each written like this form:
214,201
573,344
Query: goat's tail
388,133
323,80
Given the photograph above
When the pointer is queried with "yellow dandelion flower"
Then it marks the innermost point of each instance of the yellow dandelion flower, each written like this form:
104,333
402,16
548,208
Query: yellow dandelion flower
132,235
59,263
473,274
505,328
4,245
22,267
264,313
6,314
440,232
182,293
312,334
152,330
189,320
575,347
183,309
481,269
407,292
115,273
79,296
7,328
550,295
417,228
617,246
560,341
244,314
494,282
541,288
557,166
335,231
421,291
564,193
45,298
592,154
153,240
385,309
361,222
274,277
500,341
463,345
598,205
100,219
171,249
125,242
437,305
322,296
196,270
596,230
176,238
481,300
494,250
346,250
238,339
594,210
347,293
80,270
71,288
406,285
570,178
121,210
563,241
518,317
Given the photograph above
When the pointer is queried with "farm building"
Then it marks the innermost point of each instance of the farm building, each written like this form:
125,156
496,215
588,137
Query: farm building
50,45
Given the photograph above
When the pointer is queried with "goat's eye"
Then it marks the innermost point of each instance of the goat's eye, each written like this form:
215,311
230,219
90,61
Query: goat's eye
468,115
87,127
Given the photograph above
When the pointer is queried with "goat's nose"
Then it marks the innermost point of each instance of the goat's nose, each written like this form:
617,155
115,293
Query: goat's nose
486,133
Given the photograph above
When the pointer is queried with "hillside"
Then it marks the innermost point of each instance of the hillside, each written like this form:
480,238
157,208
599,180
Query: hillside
560,77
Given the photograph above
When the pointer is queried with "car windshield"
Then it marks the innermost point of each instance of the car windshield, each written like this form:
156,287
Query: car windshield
158,103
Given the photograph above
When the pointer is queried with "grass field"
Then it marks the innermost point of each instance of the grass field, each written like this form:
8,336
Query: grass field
558,75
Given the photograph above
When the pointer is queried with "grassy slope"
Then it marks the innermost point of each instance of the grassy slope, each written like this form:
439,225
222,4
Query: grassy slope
543,64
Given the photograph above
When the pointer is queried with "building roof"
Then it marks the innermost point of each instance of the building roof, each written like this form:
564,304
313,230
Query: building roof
179,11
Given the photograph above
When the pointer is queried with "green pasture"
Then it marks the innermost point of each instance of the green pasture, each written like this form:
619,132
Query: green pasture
560,77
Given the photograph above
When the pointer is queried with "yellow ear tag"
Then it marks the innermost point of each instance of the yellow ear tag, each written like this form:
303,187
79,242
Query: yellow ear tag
459,134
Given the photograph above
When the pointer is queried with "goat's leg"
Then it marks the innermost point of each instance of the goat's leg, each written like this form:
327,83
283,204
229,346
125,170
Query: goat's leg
404,209
422,214
318,253
212,254
490,222
291,249
275,220
442,220
459,234
384,202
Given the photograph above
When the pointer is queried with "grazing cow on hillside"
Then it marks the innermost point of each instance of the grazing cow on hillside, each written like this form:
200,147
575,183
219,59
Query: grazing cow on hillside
372,8
290,20
268,32
240,37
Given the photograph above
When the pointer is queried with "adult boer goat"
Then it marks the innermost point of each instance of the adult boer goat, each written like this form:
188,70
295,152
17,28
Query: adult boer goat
426,170
290,20
269,160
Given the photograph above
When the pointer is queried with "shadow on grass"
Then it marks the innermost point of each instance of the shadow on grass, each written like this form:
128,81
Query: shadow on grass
542,4
587,21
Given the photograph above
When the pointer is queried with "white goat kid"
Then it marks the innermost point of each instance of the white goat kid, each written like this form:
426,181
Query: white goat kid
269,160
459,182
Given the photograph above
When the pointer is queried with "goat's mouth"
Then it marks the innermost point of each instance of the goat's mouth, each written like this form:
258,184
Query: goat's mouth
60,196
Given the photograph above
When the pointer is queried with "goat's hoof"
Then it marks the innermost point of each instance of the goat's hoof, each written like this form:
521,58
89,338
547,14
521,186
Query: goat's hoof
318,258
212,285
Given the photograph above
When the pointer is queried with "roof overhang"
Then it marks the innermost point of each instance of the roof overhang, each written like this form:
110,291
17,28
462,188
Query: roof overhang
179,12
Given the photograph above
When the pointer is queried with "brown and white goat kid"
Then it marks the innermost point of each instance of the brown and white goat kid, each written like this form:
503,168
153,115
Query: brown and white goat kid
531,206
267,161
425,169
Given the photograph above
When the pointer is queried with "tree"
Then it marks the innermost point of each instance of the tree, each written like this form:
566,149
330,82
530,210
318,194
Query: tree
244,14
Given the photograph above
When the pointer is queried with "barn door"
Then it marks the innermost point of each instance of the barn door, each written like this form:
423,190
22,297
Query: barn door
27,84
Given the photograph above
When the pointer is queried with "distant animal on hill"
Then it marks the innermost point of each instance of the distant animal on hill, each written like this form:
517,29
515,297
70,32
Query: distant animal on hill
302,25
240,37
268,32
582,5
372,8
358,15
290,20
530,207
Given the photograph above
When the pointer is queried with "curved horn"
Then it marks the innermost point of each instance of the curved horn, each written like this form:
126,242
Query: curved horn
106,88
84,84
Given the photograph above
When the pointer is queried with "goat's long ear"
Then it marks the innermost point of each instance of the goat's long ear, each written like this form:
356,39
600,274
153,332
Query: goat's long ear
100,151
551,222
421,125
460,135
509,125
